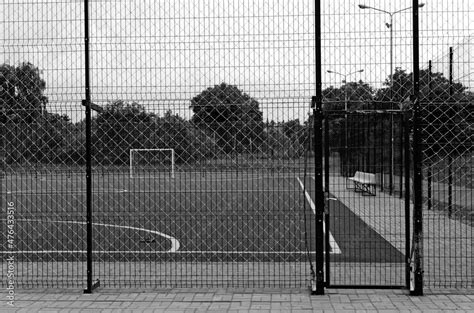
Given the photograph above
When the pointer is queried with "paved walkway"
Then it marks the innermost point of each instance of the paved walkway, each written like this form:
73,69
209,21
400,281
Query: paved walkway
461,196
220,300
448,250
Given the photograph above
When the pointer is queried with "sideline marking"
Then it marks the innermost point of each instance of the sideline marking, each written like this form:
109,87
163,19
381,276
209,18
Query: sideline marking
332,242
174,242
112,191
156,252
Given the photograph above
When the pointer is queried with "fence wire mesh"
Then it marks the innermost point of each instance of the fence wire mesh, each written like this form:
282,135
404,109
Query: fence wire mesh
224,85
41,156
367,65
447,127
218,95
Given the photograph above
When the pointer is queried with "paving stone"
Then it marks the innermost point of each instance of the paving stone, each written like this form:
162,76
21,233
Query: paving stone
244,301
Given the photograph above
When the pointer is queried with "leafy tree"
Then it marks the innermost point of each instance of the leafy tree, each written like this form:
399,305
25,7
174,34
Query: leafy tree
392,95
444,110
297,133
22,92
120,127
278,145
123,126
32,134
229,115
359,96
354,95
442,107
347,129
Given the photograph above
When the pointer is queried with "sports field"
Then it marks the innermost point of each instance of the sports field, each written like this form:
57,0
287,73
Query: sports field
214,216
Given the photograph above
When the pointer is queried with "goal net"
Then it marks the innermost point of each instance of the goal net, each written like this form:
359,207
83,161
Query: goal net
152,163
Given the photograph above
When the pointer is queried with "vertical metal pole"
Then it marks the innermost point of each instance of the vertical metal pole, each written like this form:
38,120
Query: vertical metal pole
382,154
430,67
406,141
391,169
131,162
318,286
327,247
344,163
88,197
326,155
87,104
402,151
367,143
417,160
450,125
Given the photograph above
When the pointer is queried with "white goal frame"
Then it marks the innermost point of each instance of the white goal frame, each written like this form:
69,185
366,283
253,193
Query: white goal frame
164,149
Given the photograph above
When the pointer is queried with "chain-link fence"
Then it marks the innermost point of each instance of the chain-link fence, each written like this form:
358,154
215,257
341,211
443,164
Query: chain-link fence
447,126
192,163
42,144
196,165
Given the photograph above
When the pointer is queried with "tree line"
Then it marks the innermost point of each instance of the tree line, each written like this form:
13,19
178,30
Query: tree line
225,121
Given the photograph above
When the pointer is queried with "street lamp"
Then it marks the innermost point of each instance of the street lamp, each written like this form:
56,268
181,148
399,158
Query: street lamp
345,112
390,26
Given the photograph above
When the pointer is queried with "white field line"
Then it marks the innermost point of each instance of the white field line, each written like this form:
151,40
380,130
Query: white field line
188,175
169,191
154,252
174,242
332,242
63,191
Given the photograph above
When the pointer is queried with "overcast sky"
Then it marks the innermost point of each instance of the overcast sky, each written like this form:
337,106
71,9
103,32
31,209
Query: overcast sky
162,53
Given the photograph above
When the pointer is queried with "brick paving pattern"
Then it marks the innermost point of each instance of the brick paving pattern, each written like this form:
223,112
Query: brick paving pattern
251,300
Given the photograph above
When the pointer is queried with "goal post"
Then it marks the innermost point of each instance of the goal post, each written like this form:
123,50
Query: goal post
152,163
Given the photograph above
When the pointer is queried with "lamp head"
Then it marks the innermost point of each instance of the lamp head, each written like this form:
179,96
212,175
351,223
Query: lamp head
363,6
421,5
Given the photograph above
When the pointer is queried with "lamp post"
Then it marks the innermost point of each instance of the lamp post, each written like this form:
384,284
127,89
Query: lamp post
390,26
344,170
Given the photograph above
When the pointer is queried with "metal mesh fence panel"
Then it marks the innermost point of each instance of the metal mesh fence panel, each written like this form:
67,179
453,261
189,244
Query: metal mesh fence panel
367,222
367,65
447,128
367,61
226,86
215,95
41,151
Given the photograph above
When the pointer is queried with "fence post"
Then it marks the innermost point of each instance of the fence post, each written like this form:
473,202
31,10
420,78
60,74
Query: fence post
406,142
326,191
316,103
450,126
318,286
429,172
417,153
87,103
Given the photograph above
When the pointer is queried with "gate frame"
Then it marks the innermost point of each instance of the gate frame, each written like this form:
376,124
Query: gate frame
321,122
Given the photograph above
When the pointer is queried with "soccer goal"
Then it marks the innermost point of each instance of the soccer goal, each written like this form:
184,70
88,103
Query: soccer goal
152,163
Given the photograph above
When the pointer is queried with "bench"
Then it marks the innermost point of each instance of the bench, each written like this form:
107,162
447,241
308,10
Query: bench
364,182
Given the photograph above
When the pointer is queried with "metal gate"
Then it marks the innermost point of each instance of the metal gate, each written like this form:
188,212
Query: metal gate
367,191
